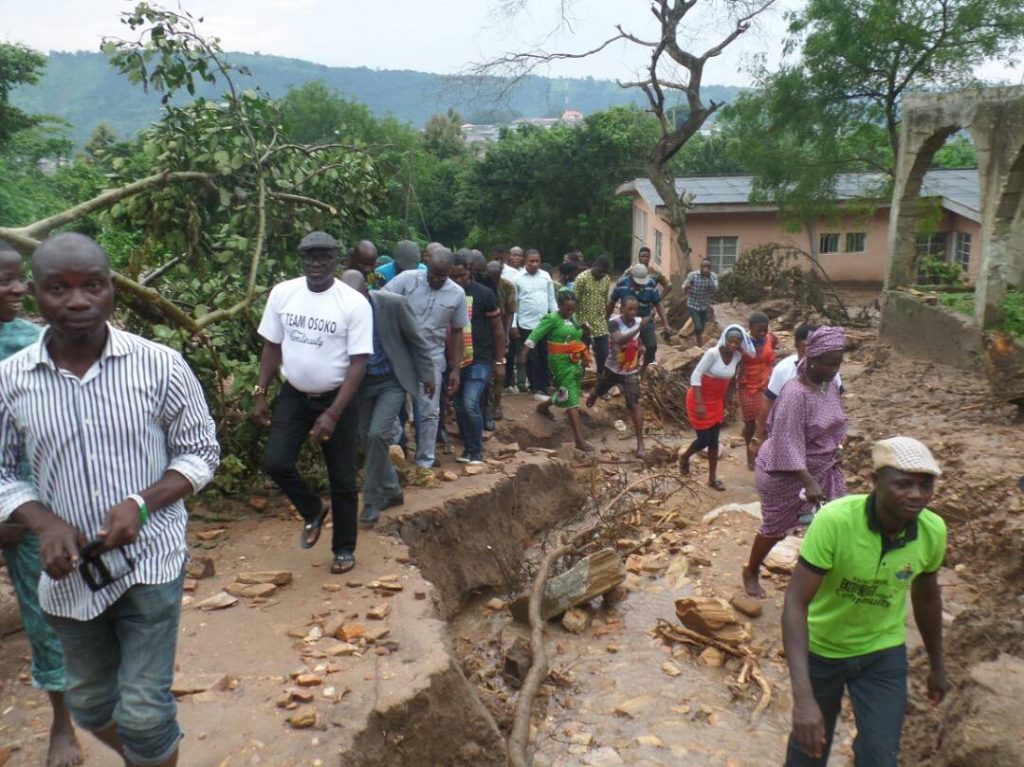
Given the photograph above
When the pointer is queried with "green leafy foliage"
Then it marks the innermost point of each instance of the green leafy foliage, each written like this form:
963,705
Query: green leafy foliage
1012,309
18,66
555,187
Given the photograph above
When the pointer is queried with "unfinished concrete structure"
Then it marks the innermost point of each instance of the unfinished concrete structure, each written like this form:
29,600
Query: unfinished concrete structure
994,118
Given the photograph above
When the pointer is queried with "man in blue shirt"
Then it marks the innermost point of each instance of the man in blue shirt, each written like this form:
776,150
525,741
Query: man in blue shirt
407,256
639,284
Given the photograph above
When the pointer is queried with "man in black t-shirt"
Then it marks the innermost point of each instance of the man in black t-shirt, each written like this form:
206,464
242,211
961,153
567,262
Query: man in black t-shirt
483,346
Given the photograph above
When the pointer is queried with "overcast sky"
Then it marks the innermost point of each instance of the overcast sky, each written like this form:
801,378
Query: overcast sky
436,36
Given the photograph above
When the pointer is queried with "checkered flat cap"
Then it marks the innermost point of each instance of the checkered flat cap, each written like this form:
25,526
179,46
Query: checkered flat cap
318,241
905,454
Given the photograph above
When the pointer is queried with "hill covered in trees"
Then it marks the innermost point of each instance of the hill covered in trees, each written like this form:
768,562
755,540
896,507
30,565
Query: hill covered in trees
84,90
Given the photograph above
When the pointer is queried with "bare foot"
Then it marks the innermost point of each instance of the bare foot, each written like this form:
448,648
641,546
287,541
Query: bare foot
544,408
752,583
684,468
586,447
64,748
640,452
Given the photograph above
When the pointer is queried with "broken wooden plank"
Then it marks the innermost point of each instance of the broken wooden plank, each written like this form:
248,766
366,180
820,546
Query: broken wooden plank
591,577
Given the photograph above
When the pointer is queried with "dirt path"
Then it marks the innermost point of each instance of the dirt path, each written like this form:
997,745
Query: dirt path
686,718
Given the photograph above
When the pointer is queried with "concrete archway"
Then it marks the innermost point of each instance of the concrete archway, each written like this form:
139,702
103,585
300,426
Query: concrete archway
995,119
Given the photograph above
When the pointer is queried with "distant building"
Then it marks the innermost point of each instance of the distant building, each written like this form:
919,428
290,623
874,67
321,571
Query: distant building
480,134
723,223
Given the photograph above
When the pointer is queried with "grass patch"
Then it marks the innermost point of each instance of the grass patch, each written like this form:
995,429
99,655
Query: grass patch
1012,309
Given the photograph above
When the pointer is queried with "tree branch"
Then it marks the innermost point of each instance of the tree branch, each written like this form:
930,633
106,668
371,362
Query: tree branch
39,229
152,298
302,200
257,253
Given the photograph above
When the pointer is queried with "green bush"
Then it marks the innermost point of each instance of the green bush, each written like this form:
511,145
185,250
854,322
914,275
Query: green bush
1012,309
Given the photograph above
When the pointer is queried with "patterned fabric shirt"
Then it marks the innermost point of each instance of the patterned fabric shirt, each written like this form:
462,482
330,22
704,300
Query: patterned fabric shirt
592,302
92,441
701,289
507,297
16,335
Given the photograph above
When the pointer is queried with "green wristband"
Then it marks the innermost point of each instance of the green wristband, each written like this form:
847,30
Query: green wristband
143,508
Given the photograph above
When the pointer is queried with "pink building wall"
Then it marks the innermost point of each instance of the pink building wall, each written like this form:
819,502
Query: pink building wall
754,227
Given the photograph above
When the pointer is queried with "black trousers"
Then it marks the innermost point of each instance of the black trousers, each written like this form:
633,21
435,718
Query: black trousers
294,415
537,372
599,345
649,338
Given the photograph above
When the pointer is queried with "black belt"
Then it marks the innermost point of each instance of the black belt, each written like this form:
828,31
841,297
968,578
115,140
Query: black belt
317,396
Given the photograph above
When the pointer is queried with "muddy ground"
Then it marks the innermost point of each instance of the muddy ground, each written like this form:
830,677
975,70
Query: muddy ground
617,694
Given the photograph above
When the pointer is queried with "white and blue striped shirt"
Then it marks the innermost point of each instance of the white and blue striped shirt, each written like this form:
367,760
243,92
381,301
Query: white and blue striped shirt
92,441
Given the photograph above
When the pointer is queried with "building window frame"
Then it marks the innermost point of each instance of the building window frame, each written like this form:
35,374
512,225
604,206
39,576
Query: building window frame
934,245
855,242
962,249
723,250
828,243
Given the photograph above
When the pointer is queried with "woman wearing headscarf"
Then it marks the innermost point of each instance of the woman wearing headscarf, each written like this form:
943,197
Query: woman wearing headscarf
568,357
752,379
705,399
799,466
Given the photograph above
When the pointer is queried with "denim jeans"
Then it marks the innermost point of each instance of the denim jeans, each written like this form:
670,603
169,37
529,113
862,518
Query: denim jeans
120,668
380,399
294,416
466,401
427,417
877,683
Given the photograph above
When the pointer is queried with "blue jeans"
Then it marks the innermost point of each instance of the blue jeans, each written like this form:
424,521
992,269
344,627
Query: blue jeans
877,683
466,401
120,668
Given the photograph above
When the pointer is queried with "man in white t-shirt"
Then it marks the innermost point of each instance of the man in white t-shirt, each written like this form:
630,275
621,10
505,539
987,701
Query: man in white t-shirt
319,333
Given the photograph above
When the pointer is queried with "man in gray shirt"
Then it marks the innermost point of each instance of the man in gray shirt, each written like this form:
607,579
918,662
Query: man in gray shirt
438,305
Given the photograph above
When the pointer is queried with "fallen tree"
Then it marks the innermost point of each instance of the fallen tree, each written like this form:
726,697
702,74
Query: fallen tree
212,201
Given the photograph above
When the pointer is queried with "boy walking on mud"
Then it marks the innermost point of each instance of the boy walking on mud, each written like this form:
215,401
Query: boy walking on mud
843,624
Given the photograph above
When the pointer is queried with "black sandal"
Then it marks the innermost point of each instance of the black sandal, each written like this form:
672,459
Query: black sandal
343,562
717,485
311,530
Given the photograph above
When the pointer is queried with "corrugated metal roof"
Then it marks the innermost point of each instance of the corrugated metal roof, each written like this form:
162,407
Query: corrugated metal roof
958,187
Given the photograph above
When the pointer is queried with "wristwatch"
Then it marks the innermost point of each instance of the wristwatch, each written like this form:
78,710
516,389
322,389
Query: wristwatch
257,390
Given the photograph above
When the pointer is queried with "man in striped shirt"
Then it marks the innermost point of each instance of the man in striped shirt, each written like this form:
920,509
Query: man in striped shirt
116,431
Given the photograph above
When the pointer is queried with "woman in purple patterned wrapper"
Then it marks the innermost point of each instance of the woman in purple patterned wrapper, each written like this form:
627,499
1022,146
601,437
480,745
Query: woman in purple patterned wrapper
800,463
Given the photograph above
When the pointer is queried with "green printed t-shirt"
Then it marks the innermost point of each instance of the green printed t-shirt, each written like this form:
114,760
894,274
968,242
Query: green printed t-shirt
861,604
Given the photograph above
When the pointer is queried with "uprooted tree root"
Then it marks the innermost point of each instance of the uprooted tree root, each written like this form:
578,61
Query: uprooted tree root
749,671
615,510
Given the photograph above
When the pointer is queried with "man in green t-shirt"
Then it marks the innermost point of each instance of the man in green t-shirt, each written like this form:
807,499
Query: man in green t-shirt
843,624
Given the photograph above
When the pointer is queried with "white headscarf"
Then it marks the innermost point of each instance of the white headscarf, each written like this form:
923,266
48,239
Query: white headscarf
747,345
